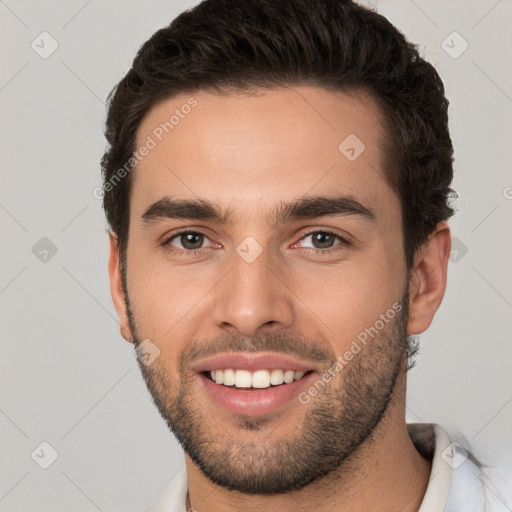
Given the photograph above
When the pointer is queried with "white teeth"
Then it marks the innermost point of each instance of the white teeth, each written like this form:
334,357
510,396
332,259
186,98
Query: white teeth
260,379
242,379
288,376
229,378
276,377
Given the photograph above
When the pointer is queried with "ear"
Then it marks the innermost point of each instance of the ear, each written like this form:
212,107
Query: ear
116,288
428,279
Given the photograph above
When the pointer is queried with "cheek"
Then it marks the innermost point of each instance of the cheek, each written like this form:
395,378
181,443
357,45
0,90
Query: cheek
157,295
345,300
160,311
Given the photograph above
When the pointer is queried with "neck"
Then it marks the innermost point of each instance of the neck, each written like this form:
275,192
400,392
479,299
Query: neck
385,473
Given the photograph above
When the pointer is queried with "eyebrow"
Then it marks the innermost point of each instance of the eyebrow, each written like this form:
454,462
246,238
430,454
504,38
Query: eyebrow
308,207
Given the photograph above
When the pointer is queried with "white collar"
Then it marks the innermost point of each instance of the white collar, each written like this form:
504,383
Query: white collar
426,437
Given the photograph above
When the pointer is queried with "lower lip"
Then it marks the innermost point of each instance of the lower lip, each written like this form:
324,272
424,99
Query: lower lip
250,402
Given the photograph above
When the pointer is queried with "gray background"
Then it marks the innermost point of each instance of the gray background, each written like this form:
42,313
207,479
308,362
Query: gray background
66,375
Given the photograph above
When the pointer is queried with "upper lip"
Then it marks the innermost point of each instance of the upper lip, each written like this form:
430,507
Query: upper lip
252,361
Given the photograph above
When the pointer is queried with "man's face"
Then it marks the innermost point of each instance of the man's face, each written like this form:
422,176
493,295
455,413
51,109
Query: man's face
266,290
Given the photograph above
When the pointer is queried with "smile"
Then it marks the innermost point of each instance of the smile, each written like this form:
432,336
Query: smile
254,384
259,379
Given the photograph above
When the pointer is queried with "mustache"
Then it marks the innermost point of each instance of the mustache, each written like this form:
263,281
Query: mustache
279,342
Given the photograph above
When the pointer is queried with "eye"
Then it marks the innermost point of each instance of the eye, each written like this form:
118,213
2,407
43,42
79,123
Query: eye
187,241
191,243
323,240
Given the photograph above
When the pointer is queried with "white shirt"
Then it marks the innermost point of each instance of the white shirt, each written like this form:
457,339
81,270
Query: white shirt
456,483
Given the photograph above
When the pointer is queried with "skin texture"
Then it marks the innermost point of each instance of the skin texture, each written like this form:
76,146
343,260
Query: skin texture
248,153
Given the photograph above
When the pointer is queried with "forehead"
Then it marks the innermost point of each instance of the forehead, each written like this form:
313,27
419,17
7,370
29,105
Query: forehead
248,150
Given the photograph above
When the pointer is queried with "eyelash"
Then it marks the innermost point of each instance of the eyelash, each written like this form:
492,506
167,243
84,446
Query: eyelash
196,252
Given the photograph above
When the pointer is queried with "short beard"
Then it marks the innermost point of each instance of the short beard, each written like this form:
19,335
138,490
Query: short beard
338,420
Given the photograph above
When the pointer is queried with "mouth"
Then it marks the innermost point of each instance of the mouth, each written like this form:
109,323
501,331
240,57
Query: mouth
253,384
259,379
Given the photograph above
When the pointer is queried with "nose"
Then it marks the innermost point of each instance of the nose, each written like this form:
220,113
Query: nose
253,299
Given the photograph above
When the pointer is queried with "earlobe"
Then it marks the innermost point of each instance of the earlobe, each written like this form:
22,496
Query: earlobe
116,288
428,279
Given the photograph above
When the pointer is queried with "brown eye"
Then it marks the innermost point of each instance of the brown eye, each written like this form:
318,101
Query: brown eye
191,240
322,240
187,241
